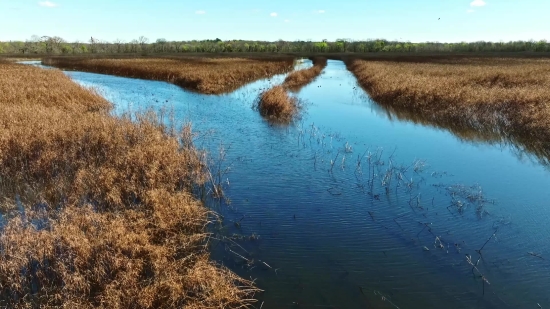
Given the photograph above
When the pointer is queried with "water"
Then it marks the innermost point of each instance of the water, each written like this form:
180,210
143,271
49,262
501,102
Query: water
316,235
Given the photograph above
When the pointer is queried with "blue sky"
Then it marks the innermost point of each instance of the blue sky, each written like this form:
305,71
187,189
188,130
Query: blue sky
413,20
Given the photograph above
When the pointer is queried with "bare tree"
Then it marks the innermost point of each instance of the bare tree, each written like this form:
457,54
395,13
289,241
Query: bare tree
119,44
143,42
53,43
93,44
134,44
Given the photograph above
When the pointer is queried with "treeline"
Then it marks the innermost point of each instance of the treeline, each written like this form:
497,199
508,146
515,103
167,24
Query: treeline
142,45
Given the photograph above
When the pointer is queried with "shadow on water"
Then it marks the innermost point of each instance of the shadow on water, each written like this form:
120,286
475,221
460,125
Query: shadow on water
352,207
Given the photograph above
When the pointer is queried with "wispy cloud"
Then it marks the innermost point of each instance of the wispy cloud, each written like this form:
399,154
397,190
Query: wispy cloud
274,14
287,20
320,11
48,4
478,3
200,12
470,11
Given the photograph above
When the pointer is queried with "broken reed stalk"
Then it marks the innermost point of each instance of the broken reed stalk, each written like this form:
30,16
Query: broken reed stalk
104,216
474,267
492,235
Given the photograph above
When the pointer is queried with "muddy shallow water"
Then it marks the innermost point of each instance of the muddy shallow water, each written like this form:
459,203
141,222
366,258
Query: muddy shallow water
352,208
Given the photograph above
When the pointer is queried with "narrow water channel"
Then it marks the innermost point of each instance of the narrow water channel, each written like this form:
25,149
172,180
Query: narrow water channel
351,207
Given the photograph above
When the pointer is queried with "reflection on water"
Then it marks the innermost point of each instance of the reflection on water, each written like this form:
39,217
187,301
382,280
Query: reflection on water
521,145
354,208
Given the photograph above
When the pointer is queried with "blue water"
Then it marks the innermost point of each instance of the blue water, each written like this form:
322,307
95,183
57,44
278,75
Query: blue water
320,235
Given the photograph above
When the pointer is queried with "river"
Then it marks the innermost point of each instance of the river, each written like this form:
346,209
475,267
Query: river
353,207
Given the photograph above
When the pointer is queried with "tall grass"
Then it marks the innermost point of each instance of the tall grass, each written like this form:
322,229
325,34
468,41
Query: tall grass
298,79
201,74
277,105
96,210
504,95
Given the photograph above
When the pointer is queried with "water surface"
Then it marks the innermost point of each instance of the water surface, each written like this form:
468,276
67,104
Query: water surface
316,234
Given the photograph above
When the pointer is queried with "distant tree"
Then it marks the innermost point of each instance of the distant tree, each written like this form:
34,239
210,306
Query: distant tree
345,43
143,43
52,44
75,47
339,46
161,44
93,44
66,49
321,46
119,45
281,44
134,45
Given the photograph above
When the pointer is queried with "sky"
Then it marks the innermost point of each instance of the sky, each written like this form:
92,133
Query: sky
404,20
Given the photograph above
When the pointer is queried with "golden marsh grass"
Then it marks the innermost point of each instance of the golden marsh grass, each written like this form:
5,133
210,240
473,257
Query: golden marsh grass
103,217
508,95
276,104
298,79
202,74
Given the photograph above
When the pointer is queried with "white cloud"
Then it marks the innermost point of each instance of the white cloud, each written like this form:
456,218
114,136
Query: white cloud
470,11
321,11
478,3
48,4
200,12
274,14
287,20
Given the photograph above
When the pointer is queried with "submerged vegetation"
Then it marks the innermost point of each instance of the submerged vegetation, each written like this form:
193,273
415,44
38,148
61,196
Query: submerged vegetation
201,74
96,210
504,95
298,79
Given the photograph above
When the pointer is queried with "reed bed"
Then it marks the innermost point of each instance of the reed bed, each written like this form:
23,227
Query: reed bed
298,79
96,211
509,96
201,74
276,104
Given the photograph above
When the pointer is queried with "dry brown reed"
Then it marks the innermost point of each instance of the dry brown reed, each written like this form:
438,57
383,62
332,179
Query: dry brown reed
201,74
103,218
277,105
505,95
298,79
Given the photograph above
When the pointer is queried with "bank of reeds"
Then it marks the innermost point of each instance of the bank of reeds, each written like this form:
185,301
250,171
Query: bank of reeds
505,95
298,79
276,104
202,74
95,209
